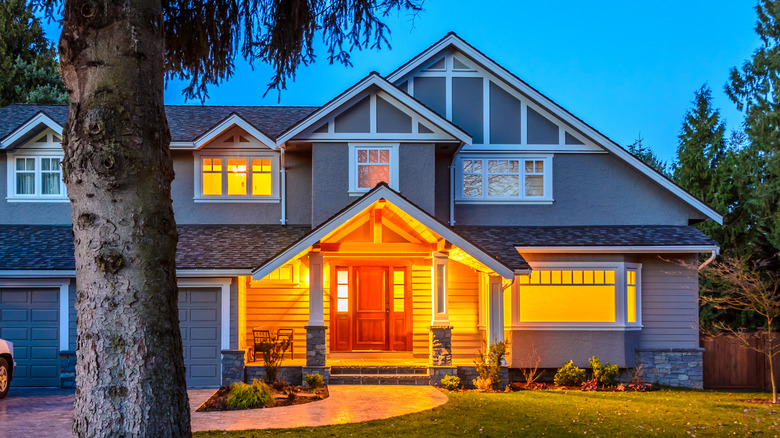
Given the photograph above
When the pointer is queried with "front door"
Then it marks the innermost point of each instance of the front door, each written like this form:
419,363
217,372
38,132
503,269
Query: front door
371,310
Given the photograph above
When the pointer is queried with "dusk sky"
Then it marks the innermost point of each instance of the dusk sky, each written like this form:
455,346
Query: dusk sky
623,67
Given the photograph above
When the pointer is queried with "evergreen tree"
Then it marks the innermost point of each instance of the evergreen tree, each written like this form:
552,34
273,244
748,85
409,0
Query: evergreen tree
755,88
28,68
646,154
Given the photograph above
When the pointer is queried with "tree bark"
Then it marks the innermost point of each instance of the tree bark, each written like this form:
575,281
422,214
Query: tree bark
118,171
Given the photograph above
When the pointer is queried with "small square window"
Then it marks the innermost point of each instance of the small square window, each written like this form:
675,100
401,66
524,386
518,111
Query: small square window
371,165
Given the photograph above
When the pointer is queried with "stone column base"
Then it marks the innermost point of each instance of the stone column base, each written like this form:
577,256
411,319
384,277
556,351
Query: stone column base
323,371
440,346
67,369
232,366
673,367
438,373
315,346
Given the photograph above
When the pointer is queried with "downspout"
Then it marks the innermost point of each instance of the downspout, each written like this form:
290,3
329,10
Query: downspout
283,188
715,253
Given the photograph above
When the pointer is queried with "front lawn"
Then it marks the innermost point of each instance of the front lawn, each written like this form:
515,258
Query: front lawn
561,413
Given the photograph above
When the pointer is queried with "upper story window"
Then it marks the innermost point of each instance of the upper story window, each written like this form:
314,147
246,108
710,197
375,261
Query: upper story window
243,176
505,179
371,164
35,171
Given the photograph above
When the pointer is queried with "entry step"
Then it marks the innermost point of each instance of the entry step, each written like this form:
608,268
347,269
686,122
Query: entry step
385,370
379,379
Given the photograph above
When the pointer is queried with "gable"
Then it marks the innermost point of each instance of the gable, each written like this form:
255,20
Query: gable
235,138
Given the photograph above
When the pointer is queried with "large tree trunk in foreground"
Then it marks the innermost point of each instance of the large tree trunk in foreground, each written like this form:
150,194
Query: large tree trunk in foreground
118,171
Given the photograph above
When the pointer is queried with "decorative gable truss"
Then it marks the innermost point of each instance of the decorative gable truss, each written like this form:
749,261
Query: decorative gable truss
34,170
375,110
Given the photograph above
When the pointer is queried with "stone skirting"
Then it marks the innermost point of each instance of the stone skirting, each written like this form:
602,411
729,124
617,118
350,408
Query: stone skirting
232,366
315,346
67,369
438,373
441,346
468,374
323,371
673,367
293,375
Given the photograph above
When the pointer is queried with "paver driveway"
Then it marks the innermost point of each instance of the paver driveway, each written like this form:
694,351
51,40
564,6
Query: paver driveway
47,412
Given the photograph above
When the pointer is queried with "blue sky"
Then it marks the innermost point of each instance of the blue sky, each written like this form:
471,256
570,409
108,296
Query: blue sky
623,67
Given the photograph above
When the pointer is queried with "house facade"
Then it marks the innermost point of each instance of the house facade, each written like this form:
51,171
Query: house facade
404,222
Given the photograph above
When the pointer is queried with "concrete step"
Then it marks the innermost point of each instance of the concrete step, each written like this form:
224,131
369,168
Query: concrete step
379,370
379,379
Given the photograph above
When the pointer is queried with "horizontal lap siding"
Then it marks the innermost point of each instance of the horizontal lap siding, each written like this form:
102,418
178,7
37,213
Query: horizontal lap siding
463,287
421,304
670,309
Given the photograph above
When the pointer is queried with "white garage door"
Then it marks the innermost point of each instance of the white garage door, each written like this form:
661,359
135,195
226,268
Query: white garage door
200,322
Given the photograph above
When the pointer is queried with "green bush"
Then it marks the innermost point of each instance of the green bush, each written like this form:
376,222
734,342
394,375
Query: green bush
483,384
450,382
488,363
569,375
273,354
245,396
314,380
606,374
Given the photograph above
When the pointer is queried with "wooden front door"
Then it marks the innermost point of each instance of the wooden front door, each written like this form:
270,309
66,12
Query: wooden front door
371,311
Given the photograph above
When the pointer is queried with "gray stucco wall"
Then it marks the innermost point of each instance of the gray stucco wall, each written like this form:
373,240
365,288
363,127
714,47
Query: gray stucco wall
187,211
298,164
330,178
442,187
588,189
29,213
558,346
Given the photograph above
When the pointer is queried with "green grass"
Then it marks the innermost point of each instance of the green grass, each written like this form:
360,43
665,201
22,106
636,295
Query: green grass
562,413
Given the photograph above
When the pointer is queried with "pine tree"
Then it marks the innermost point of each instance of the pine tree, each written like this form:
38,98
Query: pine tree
28,68
646,154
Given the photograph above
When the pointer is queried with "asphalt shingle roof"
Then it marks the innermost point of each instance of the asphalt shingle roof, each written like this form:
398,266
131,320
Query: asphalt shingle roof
186,122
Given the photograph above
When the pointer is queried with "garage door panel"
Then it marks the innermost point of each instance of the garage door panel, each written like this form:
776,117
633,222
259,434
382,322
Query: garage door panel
14,296
44,334
7,315
20,353
204,297
43,352
204,371
44,315
203,352
15,334
200,323
204,333
204,315
44,296
44,372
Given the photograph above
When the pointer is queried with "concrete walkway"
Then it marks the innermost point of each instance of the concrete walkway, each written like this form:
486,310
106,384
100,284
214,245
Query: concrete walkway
47,412
346,404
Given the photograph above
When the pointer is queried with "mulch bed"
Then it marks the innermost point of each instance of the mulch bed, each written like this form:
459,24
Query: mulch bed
302,395
587,386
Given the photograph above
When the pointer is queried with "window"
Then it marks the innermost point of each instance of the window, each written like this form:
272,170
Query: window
399,289
633,299
35,177
342,290
237,177
501,179
371,164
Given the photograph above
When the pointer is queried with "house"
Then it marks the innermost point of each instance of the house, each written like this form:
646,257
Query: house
401,224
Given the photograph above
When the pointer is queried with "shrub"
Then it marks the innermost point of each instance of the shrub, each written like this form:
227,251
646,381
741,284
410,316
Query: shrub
273,355
314,380
450,382
483,384
256,395
605,374
530,366
569,375
488,363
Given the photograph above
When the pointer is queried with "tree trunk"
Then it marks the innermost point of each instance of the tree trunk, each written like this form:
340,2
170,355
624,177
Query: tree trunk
118,172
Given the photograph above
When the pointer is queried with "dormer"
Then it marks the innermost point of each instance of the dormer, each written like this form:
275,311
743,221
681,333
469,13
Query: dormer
34,169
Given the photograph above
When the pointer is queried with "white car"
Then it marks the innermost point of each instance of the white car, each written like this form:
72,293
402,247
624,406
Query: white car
7,366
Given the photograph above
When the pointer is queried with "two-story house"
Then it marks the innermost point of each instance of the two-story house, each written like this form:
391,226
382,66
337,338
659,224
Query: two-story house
403,222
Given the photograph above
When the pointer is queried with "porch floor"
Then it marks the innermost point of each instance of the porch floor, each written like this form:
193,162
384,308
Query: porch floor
416,362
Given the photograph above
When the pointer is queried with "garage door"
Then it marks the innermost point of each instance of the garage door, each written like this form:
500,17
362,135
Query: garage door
30,319
199,316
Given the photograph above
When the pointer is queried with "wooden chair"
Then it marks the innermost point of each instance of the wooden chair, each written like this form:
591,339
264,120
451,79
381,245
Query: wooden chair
286,334
262,339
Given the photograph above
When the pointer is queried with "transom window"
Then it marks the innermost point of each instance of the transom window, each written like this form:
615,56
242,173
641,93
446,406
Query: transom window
37,177
237,177
371,164
505,179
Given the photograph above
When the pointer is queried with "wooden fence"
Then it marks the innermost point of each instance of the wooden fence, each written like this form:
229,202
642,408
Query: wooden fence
729,365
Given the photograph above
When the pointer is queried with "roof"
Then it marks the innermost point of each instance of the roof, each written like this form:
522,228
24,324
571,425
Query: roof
186,122
50,247
500,239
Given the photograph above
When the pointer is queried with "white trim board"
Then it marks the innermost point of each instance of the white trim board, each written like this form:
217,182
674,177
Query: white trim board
224,285
38,119
616,249
382,191
462,46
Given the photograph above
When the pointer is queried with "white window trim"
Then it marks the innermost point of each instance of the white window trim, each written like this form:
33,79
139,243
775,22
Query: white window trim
620,323
37,197
521,199
275,196
354,190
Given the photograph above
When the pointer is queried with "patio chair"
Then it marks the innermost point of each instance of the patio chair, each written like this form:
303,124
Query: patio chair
262,340
286,334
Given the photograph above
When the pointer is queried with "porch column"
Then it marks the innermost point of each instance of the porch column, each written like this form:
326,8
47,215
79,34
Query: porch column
495,325
440,341
315,329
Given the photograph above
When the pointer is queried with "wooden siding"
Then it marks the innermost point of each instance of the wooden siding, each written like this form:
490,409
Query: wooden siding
670,307
422,311
463,287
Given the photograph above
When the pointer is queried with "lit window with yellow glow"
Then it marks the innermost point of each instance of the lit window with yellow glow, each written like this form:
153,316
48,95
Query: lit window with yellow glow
631,296
236,176
240,177
399,289
568,296
342,290
212,176
261,176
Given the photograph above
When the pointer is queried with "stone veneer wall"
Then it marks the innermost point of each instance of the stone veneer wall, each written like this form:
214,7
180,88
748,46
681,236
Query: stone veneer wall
315,346
441,346
67,369
232,366
675,367
468,374
293,375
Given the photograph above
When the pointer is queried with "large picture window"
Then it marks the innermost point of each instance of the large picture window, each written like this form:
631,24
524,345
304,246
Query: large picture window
371,164
499,179
243,177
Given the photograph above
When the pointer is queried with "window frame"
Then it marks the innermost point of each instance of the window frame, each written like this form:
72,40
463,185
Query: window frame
547,178
354,190
224,155
621,298
37,196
